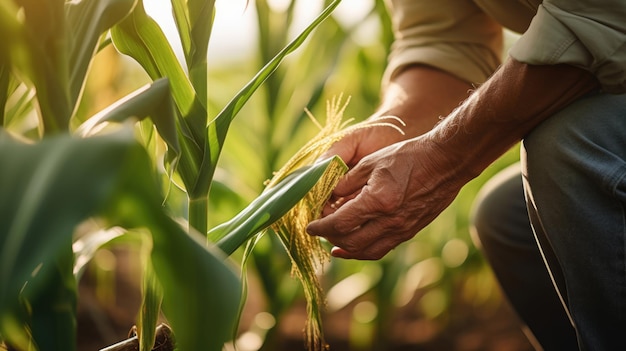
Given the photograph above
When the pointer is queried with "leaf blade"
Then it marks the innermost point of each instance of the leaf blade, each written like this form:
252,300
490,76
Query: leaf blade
110,176
218,127
268,207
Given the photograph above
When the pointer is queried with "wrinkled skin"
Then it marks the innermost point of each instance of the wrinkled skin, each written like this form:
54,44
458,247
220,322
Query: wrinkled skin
393,198
392,192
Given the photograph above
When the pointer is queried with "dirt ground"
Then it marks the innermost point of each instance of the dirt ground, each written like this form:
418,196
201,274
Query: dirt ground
467,328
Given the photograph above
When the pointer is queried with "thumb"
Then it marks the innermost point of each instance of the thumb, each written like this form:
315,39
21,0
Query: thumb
352,182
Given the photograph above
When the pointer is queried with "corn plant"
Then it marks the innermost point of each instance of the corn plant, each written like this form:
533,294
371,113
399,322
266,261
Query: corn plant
55,177
331,62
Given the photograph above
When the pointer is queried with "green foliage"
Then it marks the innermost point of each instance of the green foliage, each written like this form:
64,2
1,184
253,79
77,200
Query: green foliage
330,62
57,183
334,61
60,167
60,178
265,209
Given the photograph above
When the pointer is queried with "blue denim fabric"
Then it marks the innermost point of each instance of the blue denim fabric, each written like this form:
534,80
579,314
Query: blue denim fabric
501,229
574,179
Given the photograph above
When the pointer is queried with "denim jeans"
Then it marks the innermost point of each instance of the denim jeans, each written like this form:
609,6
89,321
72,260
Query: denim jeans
555,234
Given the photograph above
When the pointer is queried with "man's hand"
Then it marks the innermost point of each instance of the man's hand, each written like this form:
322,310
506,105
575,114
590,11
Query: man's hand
418,95
364,141
386,199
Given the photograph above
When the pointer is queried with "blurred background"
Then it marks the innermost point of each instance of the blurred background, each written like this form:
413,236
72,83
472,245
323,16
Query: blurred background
434,292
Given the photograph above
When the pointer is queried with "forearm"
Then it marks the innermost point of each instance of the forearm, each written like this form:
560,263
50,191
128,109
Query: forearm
505,109
421,96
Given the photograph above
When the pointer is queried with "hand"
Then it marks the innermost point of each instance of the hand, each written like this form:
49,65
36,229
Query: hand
357,144
363,141
387,198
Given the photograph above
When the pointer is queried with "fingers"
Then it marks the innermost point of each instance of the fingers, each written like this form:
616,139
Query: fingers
366,242
348,188
352,182
328,226
369,213
375,252
359,231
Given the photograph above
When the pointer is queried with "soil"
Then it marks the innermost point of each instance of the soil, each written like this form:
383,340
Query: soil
469,329
104,320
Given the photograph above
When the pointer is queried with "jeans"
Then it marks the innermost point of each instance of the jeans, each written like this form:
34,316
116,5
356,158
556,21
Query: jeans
555,235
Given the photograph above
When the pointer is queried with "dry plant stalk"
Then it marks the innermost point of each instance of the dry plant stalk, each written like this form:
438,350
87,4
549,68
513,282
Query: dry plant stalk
305,251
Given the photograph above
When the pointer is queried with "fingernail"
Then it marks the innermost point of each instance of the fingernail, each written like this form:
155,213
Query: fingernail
336,250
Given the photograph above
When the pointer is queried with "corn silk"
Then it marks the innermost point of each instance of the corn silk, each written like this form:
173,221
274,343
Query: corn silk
306,252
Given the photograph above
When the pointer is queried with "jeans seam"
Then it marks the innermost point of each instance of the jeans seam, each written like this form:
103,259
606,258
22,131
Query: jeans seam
615,178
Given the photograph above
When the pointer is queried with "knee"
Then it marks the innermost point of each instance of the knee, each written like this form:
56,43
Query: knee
499,210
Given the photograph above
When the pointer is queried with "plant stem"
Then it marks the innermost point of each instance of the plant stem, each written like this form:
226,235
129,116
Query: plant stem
198,214
164,341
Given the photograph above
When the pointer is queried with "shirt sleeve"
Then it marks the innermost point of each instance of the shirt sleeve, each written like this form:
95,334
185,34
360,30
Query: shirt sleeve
590,34
451,35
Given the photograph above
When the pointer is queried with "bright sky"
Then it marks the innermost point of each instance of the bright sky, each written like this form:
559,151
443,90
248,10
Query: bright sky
234,29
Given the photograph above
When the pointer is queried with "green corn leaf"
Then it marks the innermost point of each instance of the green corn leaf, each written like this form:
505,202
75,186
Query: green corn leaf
201,14
45,33
244,280
55,66
194,21
42,203
199,288
201,292
140,37
20,103
307,78
181,19
274,28
152,298
218,128
86,21
225,117
50,187
154,101
14,50
4,90
270,206
53,307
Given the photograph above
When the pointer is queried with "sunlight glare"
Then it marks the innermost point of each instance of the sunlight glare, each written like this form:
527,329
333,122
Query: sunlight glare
235,30
279,5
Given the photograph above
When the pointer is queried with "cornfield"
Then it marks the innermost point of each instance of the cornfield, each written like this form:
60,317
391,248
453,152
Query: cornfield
139,185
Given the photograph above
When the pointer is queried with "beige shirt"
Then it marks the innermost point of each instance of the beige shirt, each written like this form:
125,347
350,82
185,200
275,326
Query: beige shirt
464,37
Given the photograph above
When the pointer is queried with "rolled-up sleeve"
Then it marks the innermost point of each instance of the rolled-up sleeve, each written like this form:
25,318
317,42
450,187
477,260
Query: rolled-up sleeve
451,35
590,34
